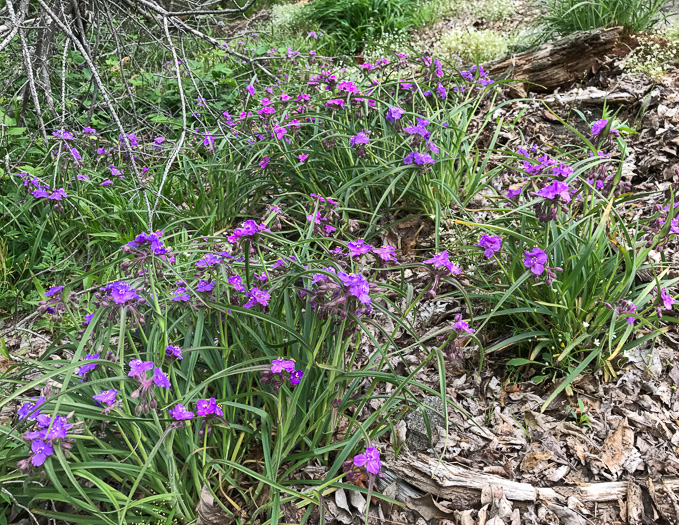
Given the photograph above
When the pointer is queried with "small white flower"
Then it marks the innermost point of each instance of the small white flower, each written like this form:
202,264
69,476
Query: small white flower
585,324
596,342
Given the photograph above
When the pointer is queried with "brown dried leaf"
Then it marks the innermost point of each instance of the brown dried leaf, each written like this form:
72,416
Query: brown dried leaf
533,459
428,508
209,512
618,446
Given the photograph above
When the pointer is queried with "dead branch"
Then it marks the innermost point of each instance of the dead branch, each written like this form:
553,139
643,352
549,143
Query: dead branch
464,486
557,63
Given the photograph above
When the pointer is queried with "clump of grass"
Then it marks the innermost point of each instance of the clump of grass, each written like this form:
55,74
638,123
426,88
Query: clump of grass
352,23
488,10
567,16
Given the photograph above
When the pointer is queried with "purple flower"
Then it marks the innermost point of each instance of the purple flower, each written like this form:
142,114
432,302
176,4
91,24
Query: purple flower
386,253
419,129
40,451
88,319
85,369
303,156
418,158
394,114
208,140
264,162
554,190
158,142
279,131
358,247
335,103
63,134
441,91
371,460
249,229
208,407
76,156
359,138
599,126
181,294
209,259
82,176
53,427
357,285
280,365
256,296
490,245
174,352
106,182
53,290
235,281
180,413
622,307
251,90
89,131
441,260
131,137
667,299
107,397
296,376
138,368
535,260
462,326
160,379
121,292
513,193
205,286
31,409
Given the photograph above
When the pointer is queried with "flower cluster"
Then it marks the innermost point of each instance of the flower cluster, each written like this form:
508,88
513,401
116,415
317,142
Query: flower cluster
348,293
535,260
46,433
282,371
623,308
440,266
139,372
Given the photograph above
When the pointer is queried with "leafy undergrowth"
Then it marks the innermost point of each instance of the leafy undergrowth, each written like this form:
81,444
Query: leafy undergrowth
232,302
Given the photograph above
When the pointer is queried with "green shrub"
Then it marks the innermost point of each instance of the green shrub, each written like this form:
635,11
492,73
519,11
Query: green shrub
655,54
353,23
473,45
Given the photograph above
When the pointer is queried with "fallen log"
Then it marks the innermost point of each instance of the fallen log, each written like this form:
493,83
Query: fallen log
463,486
557,63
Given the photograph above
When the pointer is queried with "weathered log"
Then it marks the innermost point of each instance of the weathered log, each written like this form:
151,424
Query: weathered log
557,63
464,486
